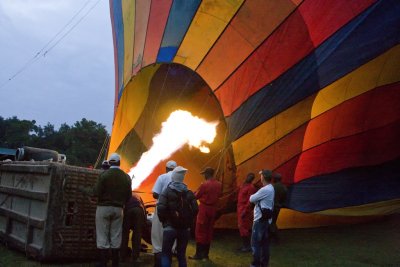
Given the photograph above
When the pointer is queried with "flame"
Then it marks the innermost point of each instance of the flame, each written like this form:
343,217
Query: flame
179,129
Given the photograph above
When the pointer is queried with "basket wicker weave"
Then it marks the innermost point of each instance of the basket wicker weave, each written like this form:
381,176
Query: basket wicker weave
43,214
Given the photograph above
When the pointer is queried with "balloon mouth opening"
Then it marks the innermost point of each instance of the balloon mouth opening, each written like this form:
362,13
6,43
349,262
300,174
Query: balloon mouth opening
180,129
148,100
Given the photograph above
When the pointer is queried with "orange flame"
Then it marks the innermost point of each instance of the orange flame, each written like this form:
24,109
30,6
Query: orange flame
179,129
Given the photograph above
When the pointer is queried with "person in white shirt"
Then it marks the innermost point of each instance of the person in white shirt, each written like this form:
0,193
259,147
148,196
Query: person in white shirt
262,199
156,226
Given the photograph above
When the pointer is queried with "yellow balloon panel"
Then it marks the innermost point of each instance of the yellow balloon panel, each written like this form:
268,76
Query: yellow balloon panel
382,70
294,219
289,219
254,22
130,106
272,130
209,22
128,16
141,21
385,69
382,207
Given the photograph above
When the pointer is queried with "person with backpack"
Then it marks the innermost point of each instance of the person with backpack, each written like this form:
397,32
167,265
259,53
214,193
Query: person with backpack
263,201
177,207
156,227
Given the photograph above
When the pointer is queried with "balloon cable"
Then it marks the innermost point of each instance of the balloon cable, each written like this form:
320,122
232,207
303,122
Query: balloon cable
105,143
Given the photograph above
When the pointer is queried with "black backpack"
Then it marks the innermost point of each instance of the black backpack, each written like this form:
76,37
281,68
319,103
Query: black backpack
181,212
266,213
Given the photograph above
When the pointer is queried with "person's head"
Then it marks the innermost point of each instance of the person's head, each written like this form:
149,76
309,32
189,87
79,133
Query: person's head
178,174
277,177
265,176
250,177
208,173
170,166
105,165
114,159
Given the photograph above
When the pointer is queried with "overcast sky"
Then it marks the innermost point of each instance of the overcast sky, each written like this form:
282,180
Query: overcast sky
74,79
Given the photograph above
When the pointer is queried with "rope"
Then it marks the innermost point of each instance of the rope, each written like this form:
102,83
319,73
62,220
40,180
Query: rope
105,144
73,27
40,53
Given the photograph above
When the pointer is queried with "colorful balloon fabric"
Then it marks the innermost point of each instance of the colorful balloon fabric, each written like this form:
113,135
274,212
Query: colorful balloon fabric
309,89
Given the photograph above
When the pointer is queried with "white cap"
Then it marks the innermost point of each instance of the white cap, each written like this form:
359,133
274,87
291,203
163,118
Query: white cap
178,174
171,164
114,157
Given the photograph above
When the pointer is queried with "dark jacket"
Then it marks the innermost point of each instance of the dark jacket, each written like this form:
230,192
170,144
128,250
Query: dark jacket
134,201
280,195
113,188
169,201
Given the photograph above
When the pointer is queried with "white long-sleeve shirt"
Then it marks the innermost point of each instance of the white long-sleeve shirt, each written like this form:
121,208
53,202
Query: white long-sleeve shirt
265,196
161,183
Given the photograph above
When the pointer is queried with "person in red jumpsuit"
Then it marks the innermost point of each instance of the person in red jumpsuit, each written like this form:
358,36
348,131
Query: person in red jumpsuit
208,195
245,211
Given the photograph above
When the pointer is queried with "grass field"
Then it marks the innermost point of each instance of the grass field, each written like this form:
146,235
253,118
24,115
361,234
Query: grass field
371,244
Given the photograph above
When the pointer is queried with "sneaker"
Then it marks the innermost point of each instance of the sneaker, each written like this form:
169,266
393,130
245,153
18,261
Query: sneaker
195,257
245,249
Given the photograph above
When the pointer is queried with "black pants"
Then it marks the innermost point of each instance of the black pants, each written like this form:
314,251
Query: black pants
134,220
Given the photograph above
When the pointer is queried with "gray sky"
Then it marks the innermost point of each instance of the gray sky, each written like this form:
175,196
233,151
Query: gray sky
74,79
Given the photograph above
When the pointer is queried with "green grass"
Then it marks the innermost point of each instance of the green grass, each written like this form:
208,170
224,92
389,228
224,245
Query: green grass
370,244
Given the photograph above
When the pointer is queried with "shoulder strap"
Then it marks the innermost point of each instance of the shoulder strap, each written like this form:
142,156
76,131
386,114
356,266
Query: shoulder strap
259,205
180,192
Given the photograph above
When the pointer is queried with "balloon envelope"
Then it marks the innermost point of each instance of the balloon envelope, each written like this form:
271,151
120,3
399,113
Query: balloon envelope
309,89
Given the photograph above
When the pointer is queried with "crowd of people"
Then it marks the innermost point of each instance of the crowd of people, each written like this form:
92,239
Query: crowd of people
120,211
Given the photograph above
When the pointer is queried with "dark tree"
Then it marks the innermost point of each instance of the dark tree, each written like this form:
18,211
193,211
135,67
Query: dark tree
81,143
17,133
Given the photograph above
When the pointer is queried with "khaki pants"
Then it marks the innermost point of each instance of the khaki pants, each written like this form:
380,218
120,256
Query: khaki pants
156,233
108,227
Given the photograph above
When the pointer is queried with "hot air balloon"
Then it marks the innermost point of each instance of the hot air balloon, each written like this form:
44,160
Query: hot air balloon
309,89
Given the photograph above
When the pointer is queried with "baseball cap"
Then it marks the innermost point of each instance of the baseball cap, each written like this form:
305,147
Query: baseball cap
114,157
208,170
171,164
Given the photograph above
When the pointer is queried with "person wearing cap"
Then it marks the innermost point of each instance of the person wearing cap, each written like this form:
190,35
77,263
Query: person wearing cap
156,227
113,189
244,211
105,165
207,194
263,198
175,227
279,202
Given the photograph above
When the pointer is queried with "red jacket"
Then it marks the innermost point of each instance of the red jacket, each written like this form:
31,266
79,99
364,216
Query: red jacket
209,192
208,195
245,191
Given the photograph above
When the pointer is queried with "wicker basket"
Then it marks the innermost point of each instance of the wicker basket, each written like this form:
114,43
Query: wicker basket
43,214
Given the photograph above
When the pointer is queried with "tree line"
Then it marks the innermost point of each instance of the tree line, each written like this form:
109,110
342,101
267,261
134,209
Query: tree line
81,142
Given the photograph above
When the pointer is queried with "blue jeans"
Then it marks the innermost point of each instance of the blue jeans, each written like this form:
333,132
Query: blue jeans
260,243
182,239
